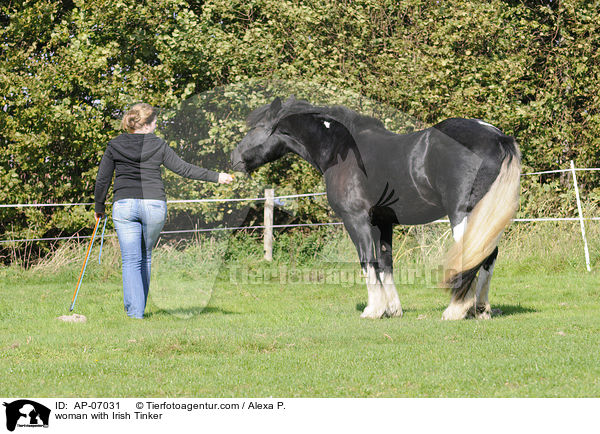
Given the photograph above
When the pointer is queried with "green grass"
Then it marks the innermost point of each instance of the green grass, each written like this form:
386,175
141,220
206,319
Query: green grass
226,337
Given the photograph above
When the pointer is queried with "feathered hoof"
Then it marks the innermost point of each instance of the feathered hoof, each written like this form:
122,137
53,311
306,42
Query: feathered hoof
372,313
393,311
483,312
455,312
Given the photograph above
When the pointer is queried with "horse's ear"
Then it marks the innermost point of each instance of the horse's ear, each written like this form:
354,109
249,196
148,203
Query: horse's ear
275,106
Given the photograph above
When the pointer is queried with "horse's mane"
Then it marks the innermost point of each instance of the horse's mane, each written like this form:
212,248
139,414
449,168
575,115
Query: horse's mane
349,118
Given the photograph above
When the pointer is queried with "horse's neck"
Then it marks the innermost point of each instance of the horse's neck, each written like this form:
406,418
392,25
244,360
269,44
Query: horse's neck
321,151
310,152
307,146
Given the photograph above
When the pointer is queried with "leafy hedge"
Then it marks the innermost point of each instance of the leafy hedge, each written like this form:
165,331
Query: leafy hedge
68,70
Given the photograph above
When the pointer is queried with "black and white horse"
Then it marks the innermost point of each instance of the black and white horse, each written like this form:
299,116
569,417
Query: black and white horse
463,168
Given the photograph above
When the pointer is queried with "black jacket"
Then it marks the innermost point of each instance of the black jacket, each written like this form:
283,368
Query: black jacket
136,159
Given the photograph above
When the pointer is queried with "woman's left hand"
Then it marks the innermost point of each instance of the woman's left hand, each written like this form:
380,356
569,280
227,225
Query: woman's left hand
225,178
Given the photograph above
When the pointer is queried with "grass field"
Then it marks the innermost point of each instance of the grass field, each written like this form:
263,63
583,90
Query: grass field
238,328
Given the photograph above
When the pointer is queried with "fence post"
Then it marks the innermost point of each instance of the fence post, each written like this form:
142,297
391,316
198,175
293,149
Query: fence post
268,223
585,244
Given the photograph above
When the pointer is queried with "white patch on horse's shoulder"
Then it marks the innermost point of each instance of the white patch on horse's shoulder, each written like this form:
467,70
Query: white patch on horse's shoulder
327,124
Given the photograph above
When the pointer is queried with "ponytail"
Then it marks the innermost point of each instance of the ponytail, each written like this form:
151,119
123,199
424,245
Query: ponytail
139,115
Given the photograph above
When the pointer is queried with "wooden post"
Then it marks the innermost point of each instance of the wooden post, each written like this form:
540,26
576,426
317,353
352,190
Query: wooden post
268,223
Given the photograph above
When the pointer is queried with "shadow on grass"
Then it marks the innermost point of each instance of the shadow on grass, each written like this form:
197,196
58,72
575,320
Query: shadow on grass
189,312
508,310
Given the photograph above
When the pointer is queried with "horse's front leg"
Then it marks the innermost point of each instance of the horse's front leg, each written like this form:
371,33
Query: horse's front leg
386,266
376,296
365,238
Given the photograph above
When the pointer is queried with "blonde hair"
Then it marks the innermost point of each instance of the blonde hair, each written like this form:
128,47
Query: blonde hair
139,115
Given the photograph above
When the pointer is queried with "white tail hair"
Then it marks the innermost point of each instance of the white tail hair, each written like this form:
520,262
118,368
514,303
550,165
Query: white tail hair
485,224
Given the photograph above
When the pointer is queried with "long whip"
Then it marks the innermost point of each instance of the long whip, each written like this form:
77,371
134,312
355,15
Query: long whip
102,240
87,256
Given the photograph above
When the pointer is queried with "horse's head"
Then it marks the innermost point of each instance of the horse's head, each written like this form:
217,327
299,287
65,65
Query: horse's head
263,143
295,126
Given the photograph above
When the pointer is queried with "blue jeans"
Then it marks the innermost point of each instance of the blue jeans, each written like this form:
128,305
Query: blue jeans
138,223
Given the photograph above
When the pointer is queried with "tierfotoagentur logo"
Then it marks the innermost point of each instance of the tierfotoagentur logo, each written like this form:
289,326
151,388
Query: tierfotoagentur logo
24,413
344,274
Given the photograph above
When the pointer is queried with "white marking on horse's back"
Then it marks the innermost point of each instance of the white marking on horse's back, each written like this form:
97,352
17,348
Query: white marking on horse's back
327,124
485,124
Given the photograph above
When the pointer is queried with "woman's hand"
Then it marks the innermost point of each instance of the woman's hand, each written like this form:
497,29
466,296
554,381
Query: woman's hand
99,215
225,178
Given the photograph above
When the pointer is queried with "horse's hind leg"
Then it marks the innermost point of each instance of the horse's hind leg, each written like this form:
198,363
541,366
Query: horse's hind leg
475,302
461,307
482,307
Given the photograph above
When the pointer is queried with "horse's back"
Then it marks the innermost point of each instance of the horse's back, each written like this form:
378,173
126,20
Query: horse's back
464,159
479,137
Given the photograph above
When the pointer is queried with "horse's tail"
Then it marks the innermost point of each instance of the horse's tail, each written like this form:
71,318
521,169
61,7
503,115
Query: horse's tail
485,223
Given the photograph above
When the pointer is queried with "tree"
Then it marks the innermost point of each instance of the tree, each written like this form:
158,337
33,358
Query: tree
69,69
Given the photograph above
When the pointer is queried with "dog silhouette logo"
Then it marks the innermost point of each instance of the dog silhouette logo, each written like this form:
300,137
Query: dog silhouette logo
26,413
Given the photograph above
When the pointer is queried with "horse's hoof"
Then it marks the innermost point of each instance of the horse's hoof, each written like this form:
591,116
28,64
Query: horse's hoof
395,311
483,312
484,315
453,313
372,313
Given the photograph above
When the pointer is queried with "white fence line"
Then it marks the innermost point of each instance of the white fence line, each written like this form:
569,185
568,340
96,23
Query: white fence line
268,227
233,228
249,199
211,200
582,226
188,231
562,170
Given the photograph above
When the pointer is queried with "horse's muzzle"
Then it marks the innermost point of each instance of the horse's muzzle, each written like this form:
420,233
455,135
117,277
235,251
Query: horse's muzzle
237,163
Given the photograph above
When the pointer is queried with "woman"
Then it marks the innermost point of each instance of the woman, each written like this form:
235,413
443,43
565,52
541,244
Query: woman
139,204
